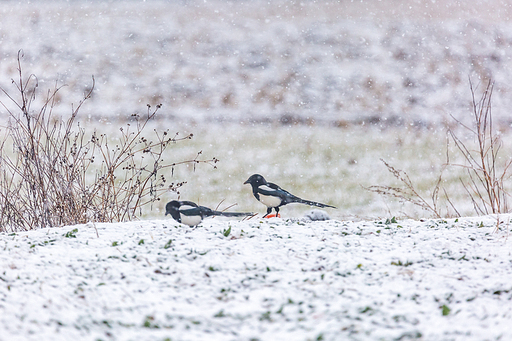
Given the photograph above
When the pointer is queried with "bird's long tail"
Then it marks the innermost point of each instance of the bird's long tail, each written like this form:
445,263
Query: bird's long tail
232,214
312,203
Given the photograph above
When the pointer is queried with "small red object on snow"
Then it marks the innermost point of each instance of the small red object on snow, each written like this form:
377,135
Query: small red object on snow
273,216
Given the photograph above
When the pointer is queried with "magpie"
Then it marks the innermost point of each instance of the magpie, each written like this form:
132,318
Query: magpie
191,214
273,196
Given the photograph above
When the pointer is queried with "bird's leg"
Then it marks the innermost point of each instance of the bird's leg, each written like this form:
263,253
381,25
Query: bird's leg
269,210
277,212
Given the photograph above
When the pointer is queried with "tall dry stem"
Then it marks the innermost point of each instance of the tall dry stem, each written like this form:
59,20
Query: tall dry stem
485,186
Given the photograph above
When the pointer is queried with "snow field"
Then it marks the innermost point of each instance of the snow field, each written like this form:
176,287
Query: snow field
269,279
288,92
335,62
332,165
290,73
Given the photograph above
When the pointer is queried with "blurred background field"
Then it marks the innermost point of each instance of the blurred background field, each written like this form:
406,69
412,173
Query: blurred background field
310,94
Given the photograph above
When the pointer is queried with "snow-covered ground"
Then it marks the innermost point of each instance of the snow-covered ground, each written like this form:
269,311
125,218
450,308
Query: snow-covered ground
286,89
269,279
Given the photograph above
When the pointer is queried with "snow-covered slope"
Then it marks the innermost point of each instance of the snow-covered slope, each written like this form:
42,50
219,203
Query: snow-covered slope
266,280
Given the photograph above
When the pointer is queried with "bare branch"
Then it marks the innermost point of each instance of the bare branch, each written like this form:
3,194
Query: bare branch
57,175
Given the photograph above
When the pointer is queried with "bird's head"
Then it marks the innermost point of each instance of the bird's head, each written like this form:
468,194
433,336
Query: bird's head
256,180
172,206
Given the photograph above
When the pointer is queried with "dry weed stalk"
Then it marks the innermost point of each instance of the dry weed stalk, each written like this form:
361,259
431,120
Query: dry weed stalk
485,186
485,182
53,174
407,192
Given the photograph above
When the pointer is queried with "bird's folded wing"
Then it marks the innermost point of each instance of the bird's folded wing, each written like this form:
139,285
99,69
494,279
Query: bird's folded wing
193,211
273,190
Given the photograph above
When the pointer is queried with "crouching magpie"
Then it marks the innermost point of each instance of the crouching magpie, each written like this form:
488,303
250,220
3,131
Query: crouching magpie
191,214
273,196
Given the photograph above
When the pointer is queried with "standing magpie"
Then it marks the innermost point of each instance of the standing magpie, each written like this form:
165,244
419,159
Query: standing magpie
191,214
273,196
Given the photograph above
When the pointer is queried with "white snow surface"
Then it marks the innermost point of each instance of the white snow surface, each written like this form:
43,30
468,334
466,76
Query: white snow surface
269,279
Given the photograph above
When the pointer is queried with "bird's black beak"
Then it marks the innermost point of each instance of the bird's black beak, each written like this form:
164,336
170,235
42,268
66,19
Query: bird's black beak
246,182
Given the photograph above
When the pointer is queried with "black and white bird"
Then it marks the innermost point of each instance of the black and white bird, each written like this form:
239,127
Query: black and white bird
273,196
191,214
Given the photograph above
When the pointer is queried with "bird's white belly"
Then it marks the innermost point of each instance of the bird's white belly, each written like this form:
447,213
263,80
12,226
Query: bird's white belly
270,201
190,220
